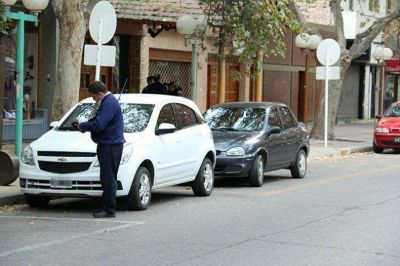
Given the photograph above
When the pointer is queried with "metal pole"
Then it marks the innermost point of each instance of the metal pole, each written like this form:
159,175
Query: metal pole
306,87
99,50
326,102
221,73
20,86
194,69
259,76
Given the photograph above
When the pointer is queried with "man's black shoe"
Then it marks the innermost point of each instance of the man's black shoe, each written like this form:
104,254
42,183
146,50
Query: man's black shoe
103,214
98,210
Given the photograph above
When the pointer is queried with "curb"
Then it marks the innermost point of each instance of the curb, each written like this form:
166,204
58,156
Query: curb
12,199
347,151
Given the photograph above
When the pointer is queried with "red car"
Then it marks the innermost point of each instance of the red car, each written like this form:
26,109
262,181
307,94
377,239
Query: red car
387,129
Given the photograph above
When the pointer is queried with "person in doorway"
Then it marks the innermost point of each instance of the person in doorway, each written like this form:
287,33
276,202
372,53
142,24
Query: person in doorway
157,87
107,130
173,89
150,80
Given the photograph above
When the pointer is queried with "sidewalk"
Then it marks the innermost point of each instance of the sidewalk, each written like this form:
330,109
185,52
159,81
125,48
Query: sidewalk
350,138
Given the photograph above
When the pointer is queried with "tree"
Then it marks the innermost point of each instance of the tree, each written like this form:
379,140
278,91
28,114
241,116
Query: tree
73,26
250,26
361,43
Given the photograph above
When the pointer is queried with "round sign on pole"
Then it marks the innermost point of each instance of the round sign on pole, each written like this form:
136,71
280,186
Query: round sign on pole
104,11
328,47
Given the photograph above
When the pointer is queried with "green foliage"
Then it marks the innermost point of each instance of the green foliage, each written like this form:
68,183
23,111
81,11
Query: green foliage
250,26
3,21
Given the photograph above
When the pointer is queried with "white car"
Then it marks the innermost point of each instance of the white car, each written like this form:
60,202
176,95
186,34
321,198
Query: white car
167,143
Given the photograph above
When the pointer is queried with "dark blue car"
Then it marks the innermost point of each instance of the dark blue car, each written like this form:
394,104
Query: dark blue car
252,138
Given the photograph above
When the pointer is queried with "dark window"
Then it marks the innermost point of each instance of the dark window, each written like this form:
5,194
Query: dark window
288,119
393,111
274,119
186,115
235,118
166,115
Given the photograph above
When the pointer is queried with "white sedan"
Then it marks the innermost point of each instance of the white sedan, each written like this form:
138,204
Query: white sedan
167,143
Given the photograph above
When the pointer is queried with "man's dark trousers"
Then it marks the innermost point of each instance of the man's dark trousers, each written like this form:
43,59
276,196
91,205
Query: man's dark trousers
109,156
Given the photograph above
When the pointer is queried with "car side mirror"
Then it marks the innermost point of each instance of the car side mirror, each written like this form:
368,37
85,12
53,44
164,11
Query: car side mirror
378,117
165,128
53,124
274,130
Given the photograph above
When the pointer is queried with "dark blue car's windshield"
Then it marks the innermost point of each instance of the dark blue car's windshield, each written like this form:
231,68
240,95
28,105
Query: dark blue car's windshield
235,118
393,111
136,116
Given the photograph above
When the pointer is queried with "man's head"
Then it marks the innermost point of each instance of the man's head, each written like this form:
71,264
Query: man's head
150,80
97,90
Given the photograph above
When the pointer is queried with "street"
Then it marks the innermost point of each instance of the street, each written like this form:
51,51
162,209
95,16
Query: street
345,212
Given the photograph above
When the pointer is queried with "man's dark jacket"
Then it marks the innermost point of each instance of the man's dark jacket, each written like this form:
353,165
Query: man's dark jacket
107,127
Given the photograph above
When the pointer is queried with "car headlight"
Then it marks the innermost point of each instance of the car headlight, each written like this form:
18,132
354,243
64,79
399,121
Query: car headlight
27,156
126,154
381,130
236,151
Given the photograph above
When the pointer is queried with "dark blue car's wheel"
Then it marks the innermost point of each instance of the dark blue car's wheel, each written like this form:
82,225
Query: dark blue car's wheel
256,177
299,169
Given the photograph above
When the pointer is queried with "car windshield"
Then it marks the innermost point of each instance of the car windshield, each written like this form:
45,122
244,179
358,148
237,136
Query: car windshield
136,116
235,118
393,111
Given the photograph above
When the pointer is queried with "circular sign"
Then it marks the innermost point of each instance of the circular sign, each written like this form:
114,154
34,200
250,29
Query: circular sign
328,52
105,12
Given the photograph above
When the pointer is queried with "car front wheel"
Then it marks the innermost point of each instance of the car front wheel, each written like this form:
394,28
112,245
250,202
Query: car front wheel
256,177
377,149
204,182
37,200
299,169
139,196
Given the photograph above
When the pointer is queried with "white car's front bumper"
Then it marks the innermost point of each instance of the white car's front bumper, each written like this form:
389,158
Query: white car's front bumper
33,180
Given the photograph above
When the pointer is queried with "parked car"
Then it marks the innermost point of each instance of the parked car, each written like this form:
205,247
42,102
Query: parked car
387,129
167,143
253,138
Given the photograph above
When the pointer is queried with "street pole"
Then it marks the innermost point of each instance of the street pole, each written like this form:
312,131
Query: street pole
380,109
97,78
20,17
307,66
221,72
326,102
194,69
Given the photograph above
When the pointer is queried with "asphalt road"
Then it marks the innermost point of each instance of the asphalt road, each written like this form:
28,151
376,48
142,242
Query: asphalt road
345,212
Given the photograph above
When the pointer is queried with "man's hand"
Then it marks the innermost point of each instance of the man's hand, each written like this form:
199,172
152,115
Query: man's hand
77,126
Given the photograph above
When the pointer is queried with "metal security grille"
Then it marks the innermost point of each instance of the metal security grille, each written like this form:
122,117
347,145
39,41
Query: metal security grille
172,71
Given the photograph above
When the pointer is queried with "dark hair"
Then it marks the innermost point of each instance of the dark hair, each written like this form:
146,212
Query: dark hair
157,78
96,87
150,78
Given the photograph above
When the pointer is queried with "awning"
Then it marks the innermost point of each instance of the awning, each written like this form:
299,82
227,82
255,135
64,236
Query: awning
393,66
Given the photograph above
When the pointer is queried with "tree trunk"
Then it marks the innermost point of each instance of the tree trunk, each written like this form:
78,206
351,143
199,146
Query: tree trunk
72,25
334,92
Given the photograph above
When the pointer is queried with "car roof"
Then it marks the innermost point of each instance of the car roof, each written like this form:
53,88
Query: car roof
155,99
248,104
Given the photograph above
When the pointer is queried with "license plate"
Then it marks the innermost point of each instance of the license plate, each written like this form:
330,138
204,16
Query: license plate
61,183
397,140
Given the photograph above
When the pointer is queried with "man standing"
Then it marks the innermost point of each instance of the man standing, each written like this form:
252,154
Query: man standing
107,130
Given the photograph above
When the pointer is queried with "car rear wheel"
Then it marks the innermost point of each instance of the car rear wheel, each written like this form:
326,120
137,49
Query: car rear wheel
204,182
299,169
139,196
37,200
256,177
377,149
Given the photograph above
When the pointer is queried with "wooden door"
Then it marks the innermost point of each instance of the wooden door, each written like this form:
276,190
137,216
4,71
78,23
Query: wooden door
231,85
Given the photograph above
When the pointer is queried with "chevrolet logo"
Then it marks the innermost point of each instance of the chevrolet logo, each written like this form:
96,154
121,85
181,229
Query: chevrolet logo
62,159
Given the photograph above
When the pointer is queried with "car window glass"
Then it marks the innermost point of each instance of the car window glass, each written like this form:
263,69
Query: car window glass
288,119
393,111
274,119
166,115
186,115
136,116
235,118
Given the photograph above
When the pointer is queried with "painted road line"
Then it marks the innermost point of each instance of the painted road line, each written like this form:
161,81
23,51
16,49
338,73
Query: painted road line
70,219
